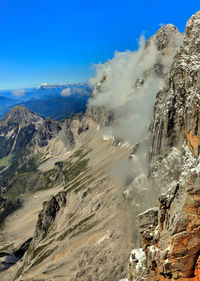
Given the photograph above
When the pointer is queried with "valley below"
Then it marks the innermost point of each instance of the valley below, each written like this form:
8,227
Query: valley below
90,223
111,193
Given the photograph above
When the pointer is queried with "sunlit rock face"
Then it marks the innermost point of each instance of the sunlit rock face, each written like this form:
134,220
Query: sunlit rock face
176,113
171,241
17,128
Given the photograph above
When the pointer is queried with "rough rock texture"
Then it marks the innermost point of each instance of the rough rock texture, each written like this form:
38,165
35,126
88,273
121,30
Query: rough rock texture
103,116
48,130
47,215
17,129
171,238
21,115
7,207
167,39
176,113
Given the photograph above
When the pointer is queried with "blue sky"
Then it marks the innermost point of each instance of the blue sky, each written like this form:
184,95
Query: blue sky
56,41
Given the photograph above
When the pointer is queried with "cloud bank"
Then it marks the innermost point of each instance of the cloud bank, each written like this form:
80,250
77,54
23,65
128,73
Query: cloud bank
66,92
132,80
19,92
72,91
127,85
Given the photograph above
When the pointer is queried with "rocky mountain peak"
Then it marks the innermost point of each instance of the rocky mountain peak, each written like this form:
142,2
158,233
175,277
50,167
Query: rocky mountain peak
166,39
22,116
191,43
17,129
176,113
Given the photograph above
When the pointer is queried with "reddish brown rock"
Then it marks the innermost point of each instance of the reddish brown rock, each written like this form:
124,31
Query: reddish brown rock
172,246
174,252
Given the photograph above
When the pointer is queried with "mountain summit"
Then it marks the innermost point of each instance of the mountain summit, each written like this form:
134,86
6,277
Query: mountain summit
17,128
22,116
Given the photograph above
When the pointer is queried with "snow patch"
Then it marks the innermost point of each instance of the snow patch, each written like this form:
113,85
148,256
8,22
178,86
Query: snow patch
138,256
108,137
150,209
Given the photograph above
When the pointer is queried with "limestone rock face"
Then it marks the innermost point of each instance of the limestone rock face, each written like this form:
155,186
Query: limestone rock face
48,130
172,246
47,215
167,39
171,237
100,114
176,113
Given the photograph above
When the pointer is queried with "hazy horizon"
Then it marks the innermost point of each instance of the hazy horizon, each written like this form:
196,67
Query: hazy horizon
58,41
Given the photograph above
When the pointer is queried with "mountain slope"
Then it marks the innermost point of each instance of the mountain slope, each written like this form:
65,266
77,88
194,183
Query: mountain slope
80,223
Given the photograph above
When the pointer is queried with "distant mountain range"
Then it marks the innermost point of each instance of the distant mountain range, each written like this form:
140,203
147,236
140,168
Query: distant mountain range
55,101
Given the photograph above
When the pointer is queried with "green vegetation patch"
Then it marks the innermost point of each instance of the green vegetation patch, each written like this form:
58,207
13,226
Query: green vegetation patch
85,228
21,183
38,250
43,257
6,161
9,208
75,227
31,165
81,153
74,169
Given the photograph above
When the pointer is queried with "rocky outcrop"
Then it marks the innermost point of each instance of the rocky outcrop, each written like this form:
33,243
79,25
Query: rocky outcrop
104,117
48,130
7,207
176,112
171,237
171,234
100,114
167,39
44,225
8,260
47,216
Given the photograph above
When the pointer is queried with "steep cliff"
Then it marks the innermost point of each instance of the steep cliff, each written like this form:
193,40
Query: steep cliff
170,232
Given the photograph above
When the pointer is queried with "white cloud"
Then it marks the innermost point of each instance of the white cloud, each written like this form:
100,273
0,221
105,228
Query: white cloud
80,91
131,102
19,92
66,92
72,91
